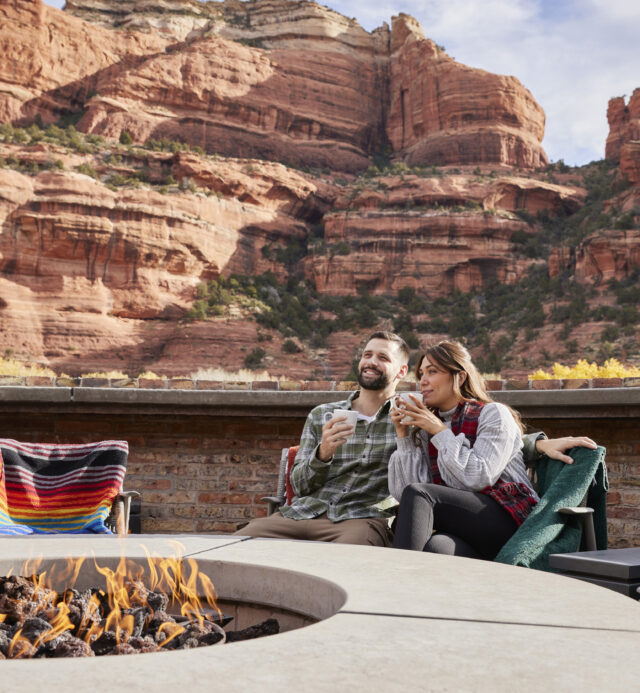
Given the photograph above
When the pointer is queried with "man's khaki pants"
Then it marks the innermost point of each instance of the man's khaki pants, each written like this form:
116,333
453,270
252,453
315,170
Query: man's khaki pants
373,531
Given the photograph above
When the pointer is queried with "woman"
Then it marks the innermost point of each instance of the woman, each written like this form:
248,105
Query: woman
461,471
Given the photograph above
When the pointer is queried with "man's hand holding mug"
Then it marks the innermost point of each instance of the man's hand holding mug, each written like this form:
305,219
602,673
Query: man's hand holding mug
338,427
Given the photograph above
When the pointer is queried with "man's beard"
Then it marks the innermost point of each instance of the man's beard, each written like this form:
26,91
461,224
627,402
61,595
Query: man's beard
378,383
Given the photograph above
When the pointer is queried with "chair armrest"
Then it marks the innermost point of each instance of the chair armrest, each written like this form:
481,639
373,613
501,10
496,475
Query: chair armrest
274,502
575,511
585,515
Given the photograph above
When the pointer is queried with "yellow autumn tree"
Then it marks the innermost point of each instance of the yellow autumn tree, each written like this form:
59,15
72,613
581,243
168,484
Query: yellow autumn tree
612,368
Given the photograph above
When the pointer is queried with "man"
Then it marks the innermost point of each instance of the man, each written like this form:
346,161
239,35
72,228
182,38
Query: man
340,471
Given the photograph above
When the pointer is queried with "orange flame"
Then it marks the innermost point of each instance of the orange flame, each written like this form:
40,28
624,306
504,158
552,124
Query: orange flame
173,630
59,624
127,587
20,647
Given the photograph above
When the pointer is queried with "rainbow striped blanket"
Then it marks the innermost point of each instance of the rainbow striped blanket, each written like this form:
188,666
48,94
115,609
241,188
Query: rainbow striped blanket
59,488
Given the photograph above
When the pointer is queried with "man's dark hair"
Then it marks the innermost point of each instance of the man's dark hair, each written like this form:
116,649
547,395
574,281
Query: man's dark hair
403,347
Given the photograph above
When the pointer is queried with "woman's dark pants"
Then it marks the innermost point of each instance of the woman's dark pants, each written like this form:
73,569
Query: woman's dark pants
466,523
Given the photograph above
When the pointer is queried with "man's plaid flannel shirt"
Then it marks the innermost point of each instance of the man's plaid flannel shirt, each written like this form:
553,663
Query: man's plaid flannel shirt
354,483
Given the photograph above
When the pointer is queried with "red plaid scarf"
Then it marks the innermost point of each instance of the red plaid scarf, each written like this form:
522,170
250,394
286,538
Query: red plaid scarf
516,499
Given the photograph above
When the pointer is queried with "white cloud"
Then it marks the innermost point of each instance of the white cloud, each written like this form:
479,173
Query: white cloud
627,11
573,55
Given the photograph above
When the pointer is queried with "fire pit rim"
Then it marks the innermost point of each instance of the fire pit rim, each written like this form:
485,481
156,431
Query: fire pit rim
374,640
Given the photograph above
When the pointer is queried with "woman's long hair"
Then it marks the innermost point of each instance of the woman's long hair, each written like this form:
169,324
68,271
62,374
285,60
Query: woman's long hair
453,357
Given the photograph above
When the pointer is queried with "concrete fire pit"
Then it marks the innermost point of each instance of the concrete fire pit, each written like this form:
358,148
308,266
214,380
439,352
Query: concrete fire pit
379,620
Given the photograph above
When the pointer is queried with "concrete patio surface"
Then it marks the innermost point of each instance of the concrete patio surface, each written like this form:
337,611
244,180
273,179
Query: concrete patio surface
395,621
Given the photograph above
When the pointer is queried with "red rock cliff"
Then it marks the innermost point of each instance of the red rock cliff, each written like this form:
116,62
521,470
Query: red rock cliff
444,112
612,254
624,124
50,61
436,235
98,268
274,79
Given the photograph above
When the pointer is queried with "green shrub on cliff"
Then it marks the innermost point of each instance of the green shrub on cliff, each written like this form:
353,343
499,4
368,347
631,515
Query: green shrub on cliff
87,170
290,347
255,358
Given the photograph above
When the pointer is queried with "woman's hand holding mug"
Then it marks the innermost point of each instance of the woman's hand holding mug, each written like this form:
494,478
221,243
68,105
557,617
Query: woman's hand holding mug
399,411
410,411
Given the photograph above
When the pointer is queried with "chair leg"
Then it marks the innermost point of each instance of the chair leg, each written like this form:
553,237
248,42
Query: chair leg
589,532
585,516
122,505
120,517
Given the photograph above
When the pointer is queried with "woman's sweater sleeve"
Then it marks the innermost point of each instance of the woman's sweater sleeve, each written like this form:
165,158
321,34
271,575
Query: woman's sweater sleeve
407,465
476,467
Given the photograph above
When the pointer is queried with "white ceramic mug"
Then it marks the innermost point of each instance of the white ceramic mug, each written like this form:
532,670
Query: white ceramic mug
349,415
404,397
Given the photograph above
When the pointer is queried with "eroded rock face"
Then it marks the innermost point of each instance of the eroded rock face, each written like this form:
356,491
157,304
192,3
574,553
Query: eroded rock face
219,94
630,162
77,258
444,112
273,79
50,62
100,276
623,145
435,254
95,275
606,255
624,124
175,19
436,235
611,253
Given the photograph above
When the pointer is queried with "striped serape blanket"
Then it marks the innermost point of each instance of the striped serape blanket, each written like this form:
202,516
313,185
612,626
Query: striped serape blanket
59,488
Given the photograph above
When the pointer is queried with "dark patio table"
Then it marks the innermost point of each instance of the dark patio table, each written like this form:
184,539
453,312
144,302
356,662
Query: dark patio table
616,569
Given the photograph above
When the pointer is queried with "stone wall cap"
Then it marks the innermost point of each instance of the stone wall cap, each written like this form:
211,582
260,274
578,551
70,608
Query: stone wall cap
35,394
513,384
576,397
201,397
619,399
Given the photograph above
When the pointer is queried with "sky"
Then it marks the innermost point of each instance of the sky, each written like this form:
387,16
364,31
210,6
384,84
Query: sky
573,55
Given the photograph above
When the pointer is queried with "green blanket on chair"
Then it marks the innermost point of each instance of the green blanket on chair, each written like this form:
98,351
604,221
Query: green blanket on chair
560,485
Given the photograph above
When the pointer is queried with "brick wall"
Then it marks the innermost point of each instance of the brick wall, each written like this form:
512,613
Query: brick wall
203,459
205,473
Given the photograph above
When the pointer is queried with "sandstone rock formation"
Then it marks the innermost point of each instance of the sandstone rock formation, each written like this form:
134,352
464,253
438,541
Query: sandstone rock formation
244,80
436,235
50,62
435,254
624,124
623,142
107,271
103,246
78,258
612,253
606,255
444,112
219,94
630,162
